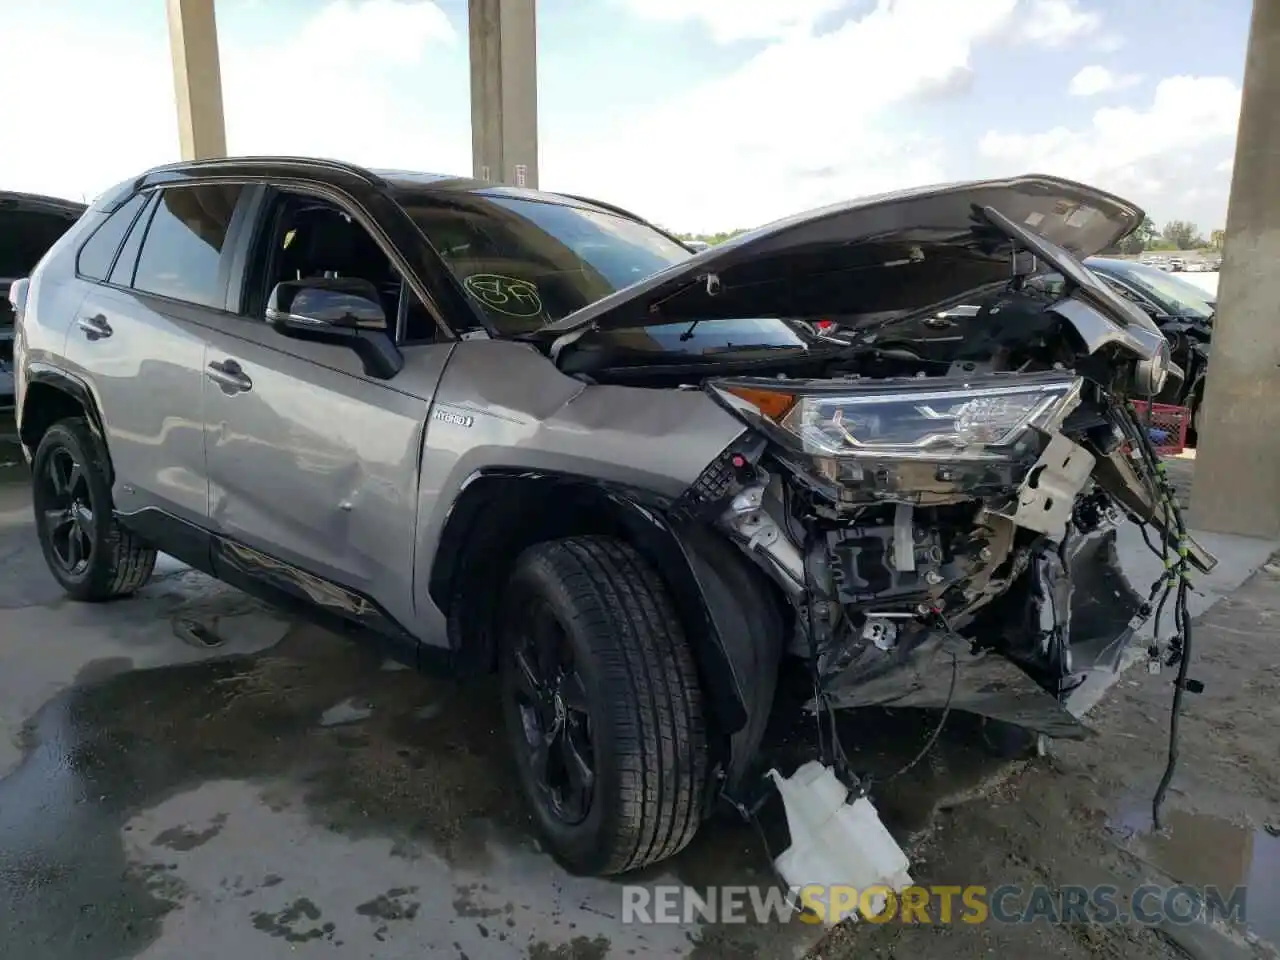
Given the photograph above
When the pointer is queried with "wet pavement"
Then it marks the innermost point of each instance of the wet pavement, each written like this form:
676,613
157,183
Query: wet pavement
190,774
1206,850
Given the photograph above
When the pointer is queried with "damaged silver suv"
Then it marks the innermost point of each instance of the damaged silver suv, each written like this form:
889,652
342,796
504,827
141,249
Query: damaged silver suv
504,430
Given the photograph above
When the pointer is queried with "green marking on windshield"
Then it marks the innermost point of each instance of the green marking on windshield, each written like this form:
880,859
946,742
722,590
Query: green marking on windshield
508,295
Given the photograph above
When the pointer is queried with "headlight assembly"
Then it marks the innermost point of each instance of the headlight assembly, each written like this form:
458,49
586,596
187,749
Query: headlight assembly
982,418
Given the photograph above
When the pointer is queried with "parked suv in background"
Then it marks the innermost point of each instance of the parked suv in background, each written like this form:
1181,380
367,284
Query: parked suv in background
29,225
518,431
1181,310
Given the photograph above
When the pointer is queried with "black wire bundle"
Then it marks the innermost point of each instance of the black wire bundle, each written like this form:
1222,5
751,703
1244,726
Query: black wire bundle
1173,582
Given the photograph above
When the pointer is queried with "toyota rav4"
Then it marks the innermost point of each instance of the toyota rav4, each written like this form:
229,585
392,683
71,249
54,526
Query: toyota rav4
516,431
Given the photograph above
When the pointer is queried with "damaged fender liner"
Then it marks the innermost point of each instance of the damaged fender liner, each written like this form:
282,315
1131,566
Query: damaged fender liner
986,684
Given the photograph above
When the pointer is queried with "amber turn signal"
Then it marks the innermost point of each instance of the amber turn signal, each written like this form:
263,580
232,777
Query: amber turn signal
771,403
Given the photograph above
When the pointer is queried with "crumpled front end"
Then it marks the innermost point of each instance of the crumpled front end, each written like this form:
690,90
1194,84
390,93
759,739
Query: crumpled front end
944,541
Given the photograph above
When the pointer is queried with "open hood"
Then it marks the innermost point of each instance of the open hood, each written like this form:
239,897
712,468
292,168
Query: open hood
29,225
891,255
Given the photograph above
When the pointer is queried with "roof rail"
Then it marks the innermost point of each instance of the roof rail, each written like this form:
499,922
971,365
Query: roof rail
317,163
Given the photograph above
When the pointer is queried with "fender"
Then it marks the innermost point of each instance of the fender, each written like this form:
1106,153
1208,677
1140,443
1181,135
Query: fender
729,609
33,423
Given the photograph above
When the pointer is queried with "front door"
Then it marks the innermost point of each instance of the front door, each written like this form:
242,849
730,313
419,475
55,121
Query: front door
310,460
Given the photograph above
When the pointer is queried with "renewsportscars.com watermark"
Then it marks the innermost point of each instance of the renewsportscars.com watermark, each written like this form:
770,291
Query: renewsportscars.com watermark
1147,905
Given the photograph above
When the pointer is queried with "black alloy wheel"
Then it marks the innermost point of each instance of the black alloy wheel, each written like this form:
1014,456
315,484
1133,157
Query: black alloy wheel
601,704
67,507
91,555
551,700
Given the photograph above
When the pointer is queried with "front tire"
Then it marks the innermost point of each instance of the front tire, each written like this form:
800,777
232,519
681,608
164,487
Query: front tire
88,552
602,705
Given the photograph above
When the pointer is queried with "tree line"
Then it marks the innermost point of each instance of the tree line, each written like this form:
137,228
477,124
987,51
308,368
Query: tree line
1176,235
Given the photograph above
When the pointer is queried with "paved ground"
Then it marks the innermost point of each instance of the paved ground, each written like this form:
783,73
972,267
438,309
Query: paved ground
287,794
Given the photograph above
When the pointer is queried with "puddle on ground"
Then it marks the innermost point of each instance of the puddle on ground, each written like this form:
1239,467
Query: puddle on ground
100,752
1204,850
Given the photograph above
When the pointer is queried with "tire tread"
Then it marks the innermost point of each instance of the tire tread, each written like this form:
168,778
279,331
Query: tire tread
128,562
656,703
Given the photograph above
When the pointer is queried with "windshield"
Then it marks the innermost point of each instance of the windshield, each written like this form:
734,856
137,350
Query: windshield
1177,297
526,263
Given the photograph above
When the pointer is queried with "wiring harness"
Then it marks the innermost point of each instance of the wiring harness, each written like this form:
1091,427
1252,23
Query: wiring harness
1173,585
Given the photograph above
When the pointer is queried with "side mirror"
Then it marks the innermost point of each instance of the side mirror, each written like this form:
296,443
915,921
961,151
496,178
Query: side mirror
342,311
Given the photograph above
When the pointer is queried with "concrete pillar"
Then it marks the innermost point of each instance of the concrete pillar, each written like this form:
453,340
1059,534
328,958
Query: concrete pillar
197,80
1237,478
504,91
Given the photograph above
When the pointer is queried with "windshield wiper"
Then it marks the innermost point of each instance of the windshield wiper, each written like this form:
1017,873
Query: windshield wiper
688,334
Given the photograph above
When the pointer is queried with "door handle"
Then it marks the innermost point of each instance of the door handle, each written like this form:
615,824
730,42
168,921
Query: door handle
95,327
228,375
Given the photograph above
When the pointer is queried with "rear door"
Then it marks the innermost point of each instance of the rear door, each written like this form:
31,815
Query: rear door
139,340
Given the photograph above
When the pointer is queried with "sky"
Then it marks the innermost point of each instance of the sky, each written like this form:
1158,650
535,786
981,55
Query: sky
701,115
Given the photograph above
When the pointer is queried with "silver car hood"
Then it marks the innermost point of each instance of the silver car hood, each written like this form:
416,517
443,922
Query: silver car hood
894,254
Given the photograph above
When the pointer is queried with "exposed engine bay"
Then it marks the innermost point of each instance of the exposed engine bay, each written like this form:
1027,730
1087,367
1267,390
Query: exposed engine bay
945,533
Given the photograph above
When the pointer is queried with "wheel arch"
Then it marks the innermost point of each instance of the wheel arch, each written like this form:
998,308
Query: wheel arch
51,395
734,617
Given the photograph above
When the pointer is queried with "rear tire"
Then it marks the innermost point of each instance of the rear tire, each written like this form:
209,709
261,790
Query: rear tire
624,655
88,552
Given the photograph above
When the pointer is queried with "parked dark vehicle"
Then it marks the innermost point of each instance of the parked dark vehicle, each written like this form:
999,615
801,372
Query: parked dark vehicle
509,431
29,226
1182,311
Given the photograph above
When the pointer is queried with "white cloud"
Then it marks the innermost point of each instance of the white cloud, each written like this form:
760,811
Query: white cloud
339,91
730,21
813,117
1225,166
1162,155
1055,23
1093,80
1109,43
807,120
103,108
392,31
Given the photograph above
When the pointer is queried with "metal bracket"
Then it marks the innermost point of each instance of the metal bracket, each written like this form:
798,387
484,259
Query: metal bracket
1048,495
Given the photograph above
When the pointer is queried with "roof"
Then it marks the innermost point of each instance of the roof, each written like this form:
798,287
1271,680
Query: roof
332,171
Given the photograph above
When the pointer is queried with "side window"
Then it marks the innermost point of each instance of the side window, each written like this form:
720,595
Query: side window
94,259
181,255
312,239
127,260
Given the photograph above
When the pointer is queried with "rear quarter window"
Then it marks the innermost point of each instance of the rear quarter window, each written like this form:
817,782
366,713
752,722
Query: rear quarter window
94,260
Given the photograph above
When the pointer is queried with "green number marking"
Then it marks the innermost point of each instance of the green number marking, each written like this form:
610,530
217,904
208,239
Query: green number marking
509,295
